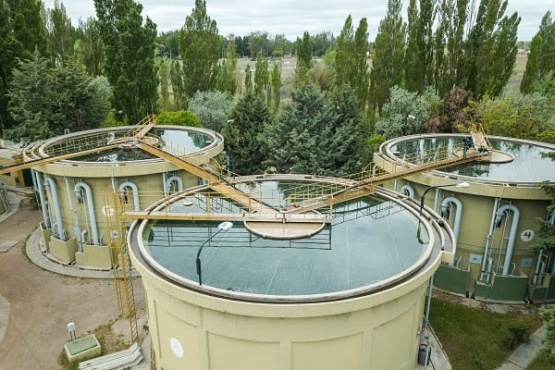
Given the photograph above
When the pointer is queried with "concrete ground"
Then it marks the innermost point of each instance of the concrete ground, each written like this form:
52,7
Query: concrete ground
37,303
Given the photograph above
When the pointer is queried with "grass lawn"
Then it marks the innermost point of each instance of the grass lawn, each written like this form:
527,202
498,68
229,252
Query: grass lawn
476,339
541,363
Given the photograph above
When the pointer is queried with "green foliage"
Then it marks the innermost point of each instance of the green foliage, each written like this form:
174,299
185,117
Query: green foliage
61,34
227,79
48,101
170,42
492,35
258,43
212,108
248,79
261,77
419,58
541,59
322,75
243,141
129,46
22,31
199,47
351,60
387,55
164,102
515,115
313,135
547,314
89,48
517,334
180,118
304,58
474,338
404,113
275,82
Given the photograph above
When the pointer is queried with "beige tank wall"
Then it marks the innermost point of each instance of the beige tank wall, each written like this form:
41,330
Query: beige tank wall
478,203
379,331
75,214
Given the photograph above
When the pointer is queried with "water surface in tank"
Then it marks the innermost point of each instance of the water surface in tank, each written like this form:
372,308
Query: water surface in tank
368,241
171,140
532,162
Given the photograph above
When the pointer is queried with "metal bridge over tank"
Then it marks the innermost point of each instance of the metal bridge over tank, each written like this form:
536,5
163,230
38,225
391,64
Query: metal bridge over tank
304,200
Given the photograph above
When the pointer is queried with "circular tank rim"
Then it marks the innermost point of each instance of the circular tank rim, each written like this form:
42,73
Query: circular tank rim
385,150
140,226
217,139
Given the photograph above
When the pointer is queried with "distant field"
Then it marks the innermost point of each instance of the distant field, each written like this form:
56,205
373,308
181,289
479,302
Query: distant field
520,66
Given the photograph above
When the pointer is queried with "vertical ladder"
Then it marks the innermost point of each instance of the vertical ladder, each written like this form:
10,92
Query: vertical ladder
121,262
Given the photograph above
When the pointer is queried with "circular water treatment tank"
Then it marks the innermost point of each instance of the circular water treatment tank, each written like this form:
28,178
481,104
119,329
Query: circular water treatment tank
368,244
526,161
180,140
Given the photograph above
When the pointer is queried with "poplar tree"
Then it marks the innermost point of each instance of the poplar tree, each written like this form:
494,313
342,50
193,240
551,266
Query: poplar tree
248,79
351,60
61,34
541,58
343,58
419,58
228,71
199,48
129,46
89,48
304,58
387,55
261,77
448,43
164,102
276,87
493,35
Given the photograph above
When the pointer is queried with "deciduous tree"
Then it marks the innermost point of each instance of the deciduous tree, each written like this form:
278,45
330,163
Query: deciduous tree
541,58
212,108
61,34
387,55
129,46
199,48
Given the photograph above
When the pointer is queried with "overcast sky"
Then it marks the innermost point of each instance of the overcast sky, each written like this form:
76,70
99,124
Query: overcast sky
290,17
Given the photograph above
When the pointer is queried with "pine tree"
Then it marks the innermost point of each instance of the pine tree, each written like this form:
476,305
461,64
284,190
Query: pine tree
299,138
243,132
22,31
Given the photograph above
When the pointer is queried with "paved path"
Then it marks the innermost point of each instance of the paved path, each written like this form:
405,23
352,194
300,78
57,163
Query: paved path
525,353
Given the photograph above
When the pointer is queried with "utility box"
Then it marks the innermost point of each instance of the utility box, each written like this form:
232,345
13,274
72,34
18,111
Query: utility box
82,348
